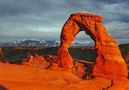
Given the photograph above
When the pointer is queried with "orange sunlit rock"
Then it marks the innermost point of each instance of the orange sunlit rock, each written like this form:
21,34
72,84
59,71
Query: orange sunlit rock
79,69
109,62
20,77
66,59
35,61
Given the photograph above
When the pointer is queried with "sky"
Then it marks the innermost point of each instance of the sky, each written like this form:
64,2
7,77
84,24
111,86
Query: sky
44,19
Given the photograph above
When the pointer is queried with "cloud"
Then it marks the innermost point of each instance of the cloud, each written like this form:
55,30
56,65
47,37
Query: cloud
37,19
119,30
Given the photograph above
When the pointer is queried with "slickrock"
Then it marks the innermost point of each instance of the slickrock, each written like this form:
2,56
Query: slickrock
109,62
20,77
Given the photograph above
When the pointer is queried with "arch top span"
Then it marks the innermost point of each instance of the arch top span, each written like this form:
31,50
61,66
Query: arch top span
95,18
109,61
80,22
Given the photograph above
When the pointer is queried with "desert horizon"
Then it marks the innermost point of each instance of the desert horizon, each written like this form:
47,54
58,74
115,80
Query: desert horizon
64,45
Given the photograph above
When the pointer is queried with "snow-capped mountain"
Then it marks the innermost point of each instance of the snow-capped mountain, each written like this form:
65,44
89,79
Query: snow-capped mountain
85,45
46,43
33,42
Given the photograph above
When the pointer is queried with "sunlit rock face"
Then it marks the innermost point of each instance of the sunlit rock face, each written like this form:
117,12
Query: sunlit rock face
35,61
109,62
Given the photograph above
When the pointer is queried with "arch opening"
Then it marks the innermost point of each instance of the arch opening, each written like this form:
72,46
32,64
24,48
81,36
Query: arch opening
83,48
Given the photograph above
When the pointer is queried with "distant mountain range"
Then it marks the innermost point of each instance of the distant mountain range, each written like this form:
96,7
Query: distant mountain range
46,43
32,42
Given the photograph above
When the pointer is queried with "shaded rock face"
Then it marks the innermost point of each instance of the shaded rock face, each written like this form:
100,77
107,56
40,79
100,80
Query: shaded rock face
127,61
127,58
1,53
2,59
109,62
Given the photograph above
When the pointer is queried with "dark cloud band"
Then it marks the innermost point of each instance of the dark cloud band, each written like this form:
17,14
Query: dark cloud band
38,18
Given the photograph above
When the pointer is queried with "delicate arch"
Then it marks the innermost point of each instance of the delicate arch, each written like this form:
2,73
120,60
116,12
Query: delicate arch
109,62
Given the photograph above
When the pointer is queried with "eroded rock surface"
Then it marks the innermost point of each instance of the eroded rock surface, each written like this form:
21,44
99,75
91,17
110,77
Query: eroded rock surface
35,61
109,62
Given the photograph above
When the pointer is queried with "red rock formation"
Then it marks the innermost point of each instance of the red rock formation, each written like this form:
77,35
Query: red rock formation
127,61
109,62
127,58
2,59
35,61
78,69
1,53
20,77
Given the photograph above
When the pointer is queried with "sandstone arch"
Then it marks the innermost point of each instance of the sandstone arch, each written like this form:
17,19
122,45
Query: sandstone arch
109,62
